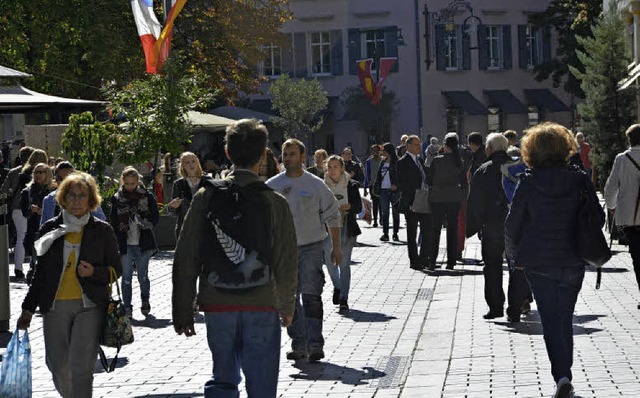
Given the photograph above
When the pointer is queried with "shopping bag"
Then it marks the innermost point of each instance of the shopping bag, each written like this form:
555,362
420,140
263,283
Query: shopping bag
366,210
15,376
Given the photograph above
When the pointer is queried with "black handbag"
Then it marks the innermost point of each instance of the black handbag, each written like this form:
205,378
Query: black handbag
592,244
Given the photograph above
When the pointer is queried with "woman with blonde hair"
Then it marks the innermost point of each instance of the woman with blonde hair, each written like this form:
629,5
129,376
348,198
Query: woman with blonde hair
31,205
75,251
185,187
134,213
541,232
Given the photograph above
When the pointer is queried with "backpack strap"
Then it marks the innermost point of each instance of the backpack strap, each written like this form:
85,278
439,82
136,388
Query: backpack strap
635,213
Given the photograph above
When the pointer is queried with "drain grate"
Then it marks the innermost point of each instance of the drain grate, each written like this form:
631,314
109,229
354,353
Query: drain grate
394,369
425,294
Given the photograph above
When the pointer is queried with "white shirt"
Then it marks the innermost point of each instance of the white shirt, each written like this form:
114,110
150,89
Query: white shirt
621,189
386,178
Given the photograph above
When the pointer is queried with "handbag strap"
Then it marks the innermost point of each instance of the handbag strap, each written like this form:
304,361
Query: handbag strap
113,278
108,367
635,213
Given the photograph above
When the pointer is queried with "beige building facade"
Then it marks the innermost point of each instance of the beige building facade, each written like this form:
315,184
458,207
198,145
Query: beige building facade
462,65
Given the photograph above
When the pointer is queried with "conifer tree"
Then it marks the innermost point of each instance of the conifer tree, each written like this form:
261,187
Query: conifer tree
606,111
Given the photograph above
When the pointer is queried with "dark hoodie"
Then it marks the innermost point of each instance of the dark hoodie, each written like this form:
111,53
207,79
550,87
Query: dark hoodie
541,228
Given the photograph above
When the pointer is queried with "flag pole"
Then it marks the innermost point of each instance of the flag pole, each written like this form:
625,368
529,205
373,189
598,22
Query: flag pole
166,7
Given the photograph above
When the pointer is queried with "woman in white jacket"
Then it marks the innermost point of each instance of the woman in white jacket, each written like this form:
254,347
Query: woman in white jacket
622,194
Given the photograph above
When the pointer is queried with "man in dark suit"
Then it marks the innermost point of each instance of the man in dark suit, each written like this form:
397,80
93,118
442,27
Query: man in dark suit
412,175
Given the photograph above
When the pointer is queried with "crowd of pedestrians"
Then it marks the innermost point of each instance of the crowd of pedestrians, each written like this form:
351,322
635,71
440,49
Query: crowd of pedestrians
252,247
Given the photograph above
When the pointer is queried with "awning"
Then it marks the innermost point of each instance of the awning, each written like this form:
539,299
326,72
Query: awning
466,102
544,98
633,75
207,122
506,101
19,99
8,72
236,113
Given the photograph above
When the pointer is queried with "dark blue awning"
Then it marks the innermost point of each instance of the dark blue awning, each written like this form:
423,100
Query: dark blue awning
466,102
544,98
506,101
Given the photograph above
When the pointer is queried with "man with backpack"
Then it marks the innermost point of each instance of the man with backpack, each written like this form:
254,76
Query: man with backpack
313,206
622,194
239,238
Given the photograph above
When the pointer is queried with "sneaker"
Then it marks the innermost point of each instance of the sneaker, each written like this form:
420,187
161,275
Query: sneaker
384,238
493,314
564,389
375,224
295,355
526,308
396,238
129,312
146,308
316,355
344,306
513,319
336,296
18,273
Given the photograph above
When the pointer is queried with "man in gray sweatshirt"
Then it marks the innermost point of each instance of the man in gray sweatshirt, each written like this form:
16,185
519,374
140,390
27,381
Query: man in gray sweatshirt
313,206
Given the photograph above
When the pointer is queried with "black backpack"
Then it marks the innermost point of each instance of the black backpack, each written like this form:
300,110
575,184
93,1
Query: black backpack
238,246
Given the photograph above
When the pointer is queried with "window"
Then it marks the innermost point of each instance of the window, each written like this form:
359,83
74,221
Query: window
452,47
493,120
272,65
494,47
534,116
373,46
320,53
534,46
453,119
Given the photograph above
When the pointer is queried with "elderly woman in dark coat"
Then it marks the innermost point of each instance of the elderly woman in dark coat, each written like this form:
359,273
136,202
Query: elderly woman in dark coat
75,252
541,237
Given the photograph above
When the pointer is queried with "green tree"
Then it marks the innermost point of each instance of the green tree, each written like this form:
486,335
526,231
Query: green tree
606,111
300,103
570,19
155,110
374,119
91,144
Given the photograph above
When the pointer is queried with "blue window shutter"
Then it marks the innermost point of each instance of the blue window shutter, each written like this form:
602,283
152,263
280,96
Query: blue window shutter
391,46
355,53
287,55
441,56
523,53
466,48
546,45
336,53
300,54
483,49
506,47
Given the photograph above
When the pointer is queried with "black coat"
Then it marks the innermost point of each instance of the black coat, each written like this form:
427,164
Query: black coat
409,179
98,247
393,174
541,229
353,192
181,189
147,239
487,205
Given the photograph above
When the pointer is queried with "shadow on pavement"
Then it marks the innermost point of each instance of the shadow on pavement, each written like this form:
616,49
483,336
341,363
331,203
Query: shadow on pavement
360,244
177,395
453,272
120,363
151,322
363,316
327,371
531,324
607,270
164,255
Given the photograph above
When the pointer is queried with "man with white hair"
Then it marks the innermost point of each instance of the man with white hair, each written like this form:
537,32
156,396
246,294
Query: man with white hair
487,208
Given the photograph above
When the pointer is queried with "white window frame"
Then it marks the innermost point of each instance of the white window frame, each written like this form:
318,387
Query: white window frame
377,38
494,120
533,116
494,36
271,50
534,46
453,36
321,44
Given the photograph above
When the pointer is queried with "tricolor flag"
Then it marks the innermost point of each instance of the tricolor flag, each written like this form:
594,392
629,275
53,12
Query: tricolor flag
366,81
384,67
163,44
148,28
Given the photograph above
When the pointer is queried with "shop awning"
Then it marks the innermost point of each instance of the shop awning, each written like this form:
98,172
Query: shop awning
19,99
236,113
544,98
506,101
633,76
466,102
8,72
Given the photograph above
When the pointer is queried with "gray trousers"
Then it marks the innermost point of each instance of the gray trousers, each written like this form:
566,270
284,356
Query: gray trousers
71,338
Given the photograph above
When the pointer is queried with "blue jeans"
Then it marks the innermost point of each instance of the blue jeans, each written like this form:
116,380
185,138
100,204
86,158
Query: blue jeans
243,339
141,260
556,292
341,275
385,201
306,329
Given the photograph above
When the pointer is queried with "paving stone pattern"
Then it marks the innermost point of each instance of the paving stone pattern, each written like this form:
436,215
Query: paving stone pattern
408,334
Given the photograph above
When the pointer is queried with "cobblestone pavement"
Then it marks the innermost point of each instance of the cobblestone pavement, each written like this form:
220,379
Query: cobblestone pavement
408,334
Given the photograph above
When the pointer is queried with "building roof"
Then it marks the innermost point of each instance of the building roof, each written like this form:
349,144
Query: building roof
21,99
236,113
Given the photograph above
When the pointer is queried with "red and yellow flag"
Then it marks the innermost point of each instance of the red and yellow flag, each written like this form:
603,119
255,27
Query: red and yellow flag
163,44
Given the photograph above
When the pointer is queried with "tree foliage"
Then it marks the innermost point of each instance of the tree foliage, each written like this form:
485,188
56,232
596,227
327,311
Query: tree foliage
300,103
606,111
91,144
570,19
74,47
372,118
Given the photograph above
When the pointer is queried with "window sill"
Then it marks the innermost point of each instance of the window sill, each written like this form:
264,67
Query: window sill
321,75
